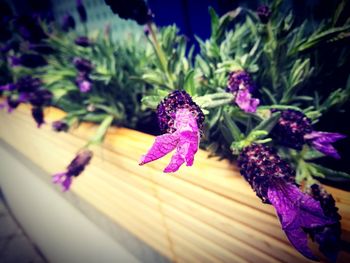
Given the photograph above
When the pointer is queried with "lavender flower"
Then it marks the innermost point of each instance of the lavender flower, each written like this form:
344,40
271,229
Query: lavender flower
75,168
131,9
328,237
182,119
38,115
42,48
241,86
68,23
81,11
30,29
294,129
83,65
40,97
8,87
273,181
12,103
28,60
59,126
322,141
28,84
264,13
82,41
83,82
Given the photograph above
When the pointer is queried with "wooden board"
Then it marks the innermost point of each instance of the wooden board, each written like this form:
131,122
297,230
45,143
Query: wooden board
204,213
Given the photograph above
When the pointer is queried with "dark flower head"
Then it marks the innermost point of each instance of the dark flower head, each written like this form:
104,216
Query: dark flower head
68,23
259,164
83,65
273,180
8,87
42,48
166,110
242,86
131,9
82,41
29,61
75,168
328,237
291,128
30,29
38,115
264,13
81,11
12,103
9,45
59,126
28,84
40,97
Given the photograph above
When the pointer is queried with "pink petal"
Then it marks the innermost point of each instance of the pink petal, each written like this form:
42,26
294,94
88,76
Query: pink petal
66,183
162,145
245,101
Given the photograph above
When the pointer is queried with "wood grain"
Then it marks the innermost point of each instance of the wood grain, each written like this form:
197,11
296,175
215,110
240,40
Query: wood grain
204,213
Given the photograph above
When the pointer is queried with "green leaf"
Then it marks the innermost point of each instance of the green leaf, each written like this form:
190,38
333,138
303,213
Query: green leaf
232,127
214,19
189,85
331,174
268,124
151,102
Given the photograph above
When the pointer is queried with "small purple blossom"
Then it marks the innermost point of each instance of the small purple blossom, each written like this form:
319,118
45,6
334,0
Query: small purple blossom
68,22
322,141
85,86
81,11
40,97
59,126
8,87
241,86
264,13
82,41
75,168
38,116
83,65
28,60
185,140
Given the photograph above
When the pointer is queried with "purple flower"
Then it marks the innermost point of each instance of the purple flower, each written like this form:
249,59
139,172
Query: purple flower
273,180
241,86
131,9
59,126
83,65
85,86
28,84
291,129
322,141
30,29
28,60
8,87
42,48
82,41
12,103
38,115
185,140
75,168
68,23
81,11
40,97
166,110
264,13
328,237
297,212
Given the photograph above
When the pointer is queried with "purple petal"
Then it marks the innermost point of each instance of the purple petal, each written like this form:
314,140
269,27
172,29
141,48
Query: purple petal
66,183
185,139
296,210
245,101
162,145
85,86
58,178
321,141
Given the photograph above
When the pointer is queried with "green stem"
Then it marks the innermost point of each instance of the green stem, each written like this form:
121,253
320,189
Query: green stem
271,50
101,131
214,100
160,53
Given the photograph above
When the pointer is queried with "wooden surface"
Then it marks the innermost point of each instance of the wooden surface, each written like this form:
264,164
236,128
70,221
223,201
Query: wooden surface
203,213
